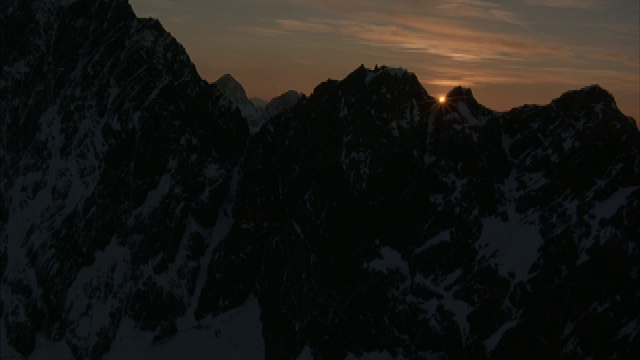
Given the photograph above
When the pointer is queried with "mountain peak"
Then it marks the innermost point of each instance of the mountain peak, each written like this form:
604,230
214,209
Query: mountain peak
384,80
460,93
282,102
592,94
362,73
234,91
231,87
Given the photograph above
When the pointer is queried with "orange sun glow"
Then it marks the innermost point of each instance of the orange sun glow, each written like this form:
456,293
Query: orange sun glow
442,99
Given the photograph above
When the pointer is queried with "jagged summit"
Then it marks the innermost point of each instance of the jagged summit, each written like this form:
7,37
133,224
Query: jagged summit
232,89
463,100
588,95
460,93
363,74
383,81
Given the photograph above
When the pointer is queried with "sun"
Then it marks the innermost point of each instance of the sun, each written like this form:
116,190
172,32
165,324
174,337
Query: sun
442,99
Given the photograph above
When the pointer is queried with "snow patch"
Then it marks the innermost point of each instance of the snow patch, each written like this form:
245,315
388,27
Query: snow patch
466,113
512,245
236,334
441,237
391,259
608,207
444,286
494,339
156,195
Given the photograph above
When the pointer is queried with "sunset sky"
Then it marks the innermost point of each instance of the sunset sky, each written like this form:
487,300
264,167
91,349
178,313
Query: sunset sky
508,52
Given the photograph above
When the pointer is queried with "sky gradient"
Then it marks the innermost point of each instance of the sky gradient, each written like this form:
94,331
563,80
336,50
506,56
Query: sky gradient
508,52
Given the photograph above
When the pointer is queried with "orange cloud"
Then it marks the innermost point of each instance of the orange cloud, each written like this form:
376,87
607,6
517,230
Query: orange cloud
433,36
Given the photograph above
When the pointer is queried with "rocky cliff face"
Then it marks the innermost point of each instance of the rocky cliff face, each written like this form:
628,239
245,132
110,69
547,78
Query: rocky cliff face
365,219
116,158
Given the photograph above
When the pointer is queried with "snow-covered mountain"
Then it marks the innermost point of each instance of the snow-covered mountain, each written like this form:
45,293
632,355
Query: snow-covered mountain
234,91
255,110
139,219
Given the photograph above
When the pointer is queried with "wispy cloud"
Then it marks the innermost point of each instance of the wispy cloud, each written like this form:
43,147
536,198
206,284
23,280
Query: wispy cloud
267,31
619,58
577,4
509,17
308,26
432,36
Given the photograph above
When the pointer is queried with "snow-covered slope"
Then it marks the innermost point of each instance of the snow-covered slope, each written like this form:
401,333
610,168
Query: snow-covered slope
363,221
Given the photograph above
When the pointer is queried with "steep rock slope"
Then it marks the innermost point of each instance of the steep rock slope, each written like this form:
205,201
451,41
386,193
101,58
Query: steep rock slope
116,157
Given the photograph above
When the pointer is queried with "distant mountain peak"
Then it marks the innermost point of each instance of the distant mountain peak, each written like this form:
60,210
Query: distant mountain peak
592,94
231,87
235,92
587,99
282,102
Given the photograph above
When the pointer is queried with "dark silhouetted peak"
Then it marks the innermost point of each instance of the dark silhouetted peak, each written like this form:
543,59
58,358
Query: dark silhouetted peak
460,93
379,84
461,108
585,98
282,102
325,88
363,74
